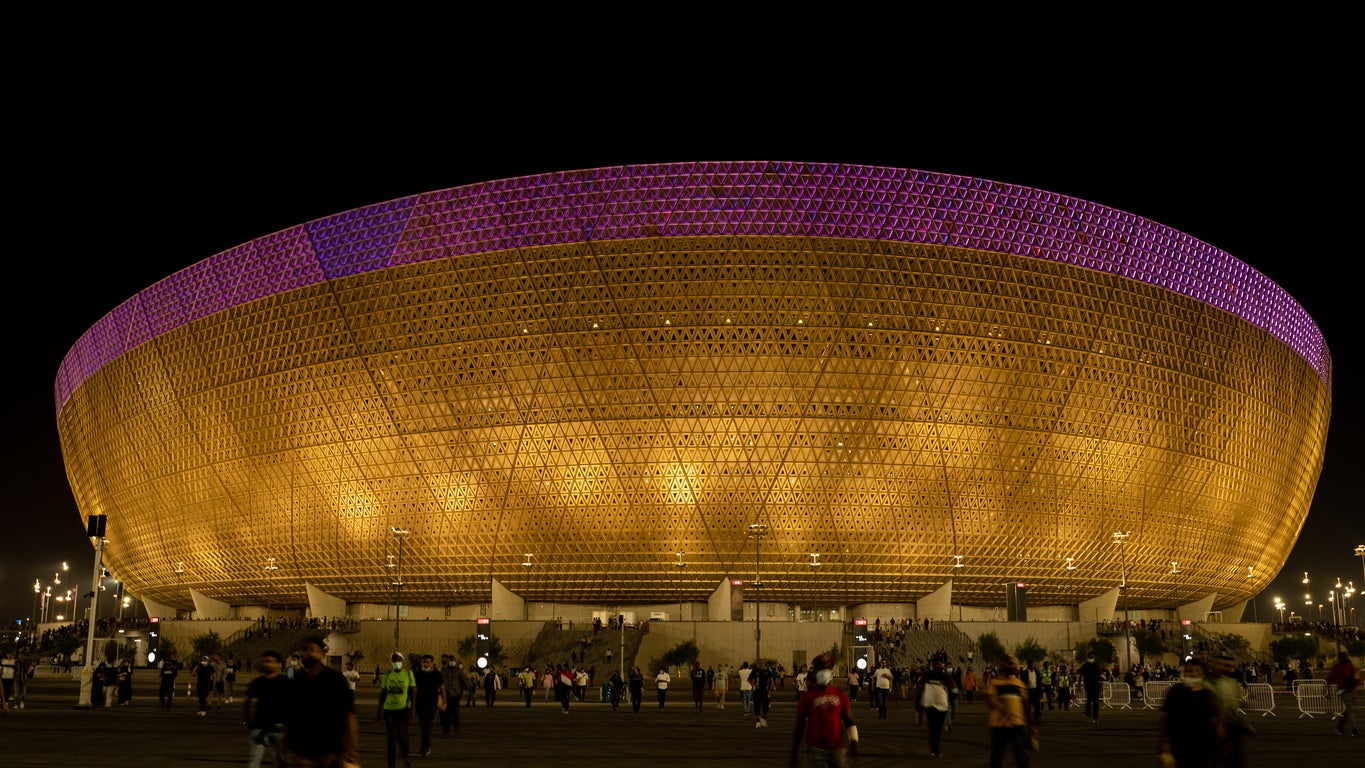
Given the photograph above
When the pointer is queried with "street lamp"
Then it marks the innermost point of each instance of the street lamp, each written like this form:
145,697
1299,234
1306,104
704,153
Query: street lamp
1279,606
1360,551
401,534
1121,538
680,565
757,531
270,569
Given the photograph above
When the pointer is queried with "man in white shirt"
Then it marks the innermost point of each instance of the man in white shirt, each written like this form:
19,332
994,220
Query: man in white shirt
881,680
662,680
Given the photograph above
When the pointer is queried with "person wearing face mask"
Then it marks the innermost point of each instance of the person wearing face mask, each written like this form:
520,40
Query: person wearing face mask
397,705
320,727
430,687
1191,723
934,700
455,683
824,720
1089,673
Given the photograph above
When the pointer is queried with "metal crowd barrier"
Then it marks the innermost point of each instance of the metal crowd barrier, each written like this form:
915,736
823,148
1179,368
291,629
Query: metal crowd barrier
1154,693
1260,698
1315,698
1116,695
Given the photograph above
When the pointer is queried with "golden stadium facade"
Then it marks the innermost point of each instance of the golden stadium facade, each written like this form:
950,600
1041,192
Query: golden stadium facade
569,384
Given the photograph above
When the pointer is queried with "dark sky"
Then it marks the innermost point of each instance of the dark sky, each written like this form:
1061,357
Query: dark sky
124,182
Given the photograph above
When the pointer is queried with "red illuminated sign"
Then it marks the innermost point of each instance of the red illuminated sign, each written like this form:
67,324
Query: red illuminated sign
860,622
737,582
483,620
1020,585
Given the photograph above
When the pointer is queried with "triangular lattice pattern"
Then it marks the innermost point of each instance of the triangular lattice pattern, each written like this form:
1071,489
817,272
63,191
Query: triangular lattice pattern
653,359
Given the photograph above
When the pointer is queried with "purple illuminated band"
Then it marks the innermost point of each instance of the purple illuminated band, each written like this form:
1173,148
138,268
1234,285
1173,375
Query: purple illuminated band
783,199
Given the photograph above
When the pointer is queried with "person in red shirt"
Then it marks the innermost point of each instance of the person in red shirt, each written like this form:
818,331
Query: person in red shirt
824,720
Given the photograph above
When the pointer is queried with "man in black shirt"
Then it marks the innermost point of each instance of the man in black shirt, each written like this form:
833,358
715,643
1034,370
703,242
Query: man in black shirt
698,686
203,683
320,727
430,683
264,709
169,669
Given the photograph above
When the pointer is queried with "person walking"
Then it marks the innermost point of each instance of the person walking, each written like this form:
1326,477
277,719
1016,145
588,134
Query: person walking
637,688
492,683
746,686
765,682
824,720
934,701
454,681
1089,675
1033,681
721,685
263,710
219,681
203,683
616,685
881,686
1009,717
1344,680
699,678
969,683
854,681
1064,683
1190,725
431,688
397,702
661,682
165,693
527,677
564,687
320,727
231,666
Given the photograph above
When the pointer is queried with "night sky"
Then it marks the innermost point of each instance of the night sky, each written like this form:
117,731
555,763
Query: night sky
124,184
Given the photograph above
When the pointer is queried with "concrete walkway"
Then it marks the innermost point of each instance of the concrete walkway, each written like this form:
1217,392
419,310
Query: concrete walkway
51,733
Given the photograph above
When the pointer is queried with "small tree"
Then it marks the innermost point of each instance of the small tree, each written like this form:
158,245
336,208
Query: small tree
65,645
1355,647
1294,647
1030,650
684,654
1232,644
111,650
992,650
206,644
1104,650
166,648
1150,645
355,657
468,649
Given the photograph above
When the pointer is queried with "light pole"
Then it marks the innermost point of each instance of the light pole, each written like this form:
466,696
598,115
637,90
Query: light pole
270,569
37,599
1338,591
1121,539
401,534
757,531
680,566
1360,551
1279,606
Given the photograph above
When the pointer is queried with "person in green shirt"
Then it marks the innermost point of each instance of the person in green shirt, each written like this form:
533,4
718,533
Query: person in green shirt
397,702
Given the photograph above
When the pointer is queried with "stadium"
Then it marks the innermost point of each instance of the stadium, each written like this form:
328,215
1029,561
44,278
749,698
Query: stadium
836,389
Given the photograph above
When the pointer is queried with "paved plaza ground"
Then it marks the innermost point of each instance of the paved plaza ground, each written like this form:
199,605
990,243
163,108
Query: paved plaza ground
51,733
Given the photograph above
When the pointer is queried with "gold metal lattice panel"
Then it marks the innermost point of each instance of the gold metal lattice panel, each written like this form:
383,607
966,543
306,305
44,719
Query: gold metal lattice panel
604,406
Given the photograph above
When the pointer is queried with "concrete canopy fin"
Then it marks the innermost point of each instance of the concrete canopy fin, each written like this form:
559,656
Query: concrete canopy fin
206,607
507,605
323,605
936,605
1100,608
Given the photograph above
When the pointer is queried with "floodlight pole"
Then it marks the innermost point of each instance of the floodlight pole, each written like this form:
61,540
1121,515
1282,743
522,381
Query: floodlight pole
757,531
400,534
1121,538
88,671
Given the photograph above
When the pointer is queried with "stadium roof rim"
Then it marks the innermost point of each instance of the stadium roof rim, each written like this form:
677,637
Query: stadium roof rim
724,198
